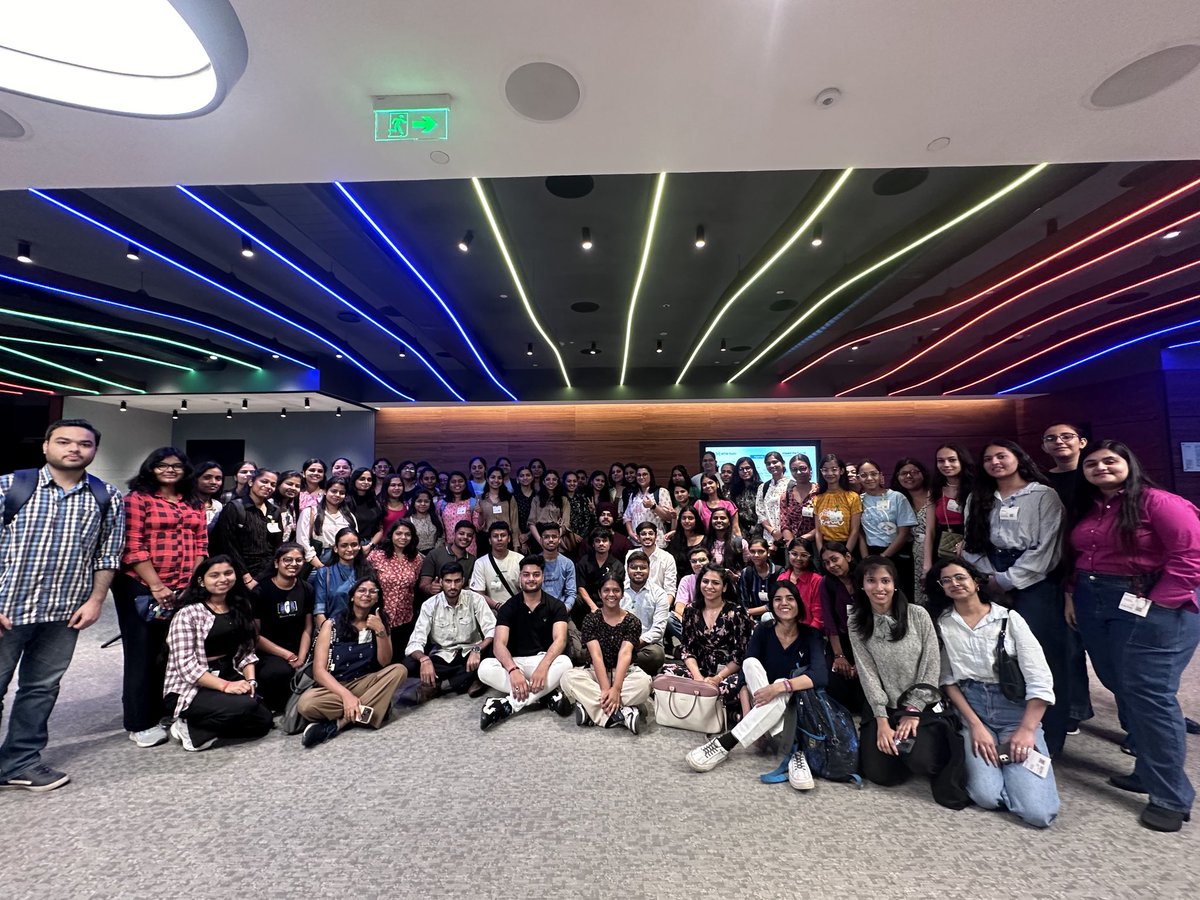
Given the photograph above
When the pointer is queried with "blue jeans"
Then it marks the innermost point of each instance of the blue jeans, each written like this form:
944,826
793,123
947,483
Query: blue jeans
1105,629
1041,606
1032,798
44,652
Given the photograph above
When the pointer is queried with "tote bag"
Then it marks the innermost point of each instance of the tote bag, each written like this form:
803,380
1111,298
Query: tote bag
691,705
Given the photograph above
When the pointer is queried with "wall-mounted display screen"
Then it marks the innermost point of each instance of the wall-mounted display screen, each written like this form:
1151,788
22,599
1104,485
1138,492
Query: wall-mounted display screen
756,450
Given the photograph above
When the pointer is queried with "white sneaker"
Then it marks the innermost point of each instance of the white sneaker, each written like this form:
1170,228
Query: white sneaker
707,756
149,737
632,717
179,731
799,775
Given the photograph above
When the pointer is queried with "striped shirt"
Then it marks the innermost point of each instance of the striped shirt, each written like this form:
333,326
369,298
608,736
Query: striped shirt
52,548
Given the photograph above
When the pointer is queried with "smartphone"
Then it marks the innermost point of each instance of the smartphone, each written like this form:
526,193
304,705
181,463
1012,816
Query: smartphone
1004,753
364,715
904,746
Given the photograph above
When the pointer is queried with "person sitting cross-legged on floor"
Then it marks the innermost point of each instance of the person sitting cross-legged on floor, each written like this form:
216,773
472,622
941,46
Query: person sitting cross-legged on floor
650,604
531,635
777,651
352,664
454,629
610,690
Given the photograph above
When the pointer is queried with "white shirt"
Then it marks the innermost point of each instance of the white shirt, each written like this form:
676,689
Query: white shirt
651,606
969,654
662,569
486,580
766,501
636,512
330,526
453,629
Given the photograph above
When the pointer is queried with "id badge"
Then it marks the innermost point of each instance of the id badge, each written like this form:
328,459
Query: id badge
807,512
496,510
762,596
1009,513
1132,603
952,506
273,527
364,636
1037,763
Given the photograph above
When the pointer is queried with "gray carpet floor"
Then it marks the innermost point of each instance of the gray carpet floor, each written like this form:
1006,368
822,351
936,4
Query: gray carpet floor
430,806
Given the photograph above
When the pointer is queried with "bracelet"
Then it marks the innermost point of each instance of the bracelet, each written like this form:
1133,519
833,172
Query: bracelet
513,669
839,656
787,685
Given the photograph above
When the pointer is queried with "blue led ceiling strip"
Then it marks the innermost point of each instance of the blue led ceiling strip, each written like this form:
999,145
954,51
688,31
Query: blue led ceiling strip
224,289
421,278
75,372
149,312
1086,359
26,377
324,287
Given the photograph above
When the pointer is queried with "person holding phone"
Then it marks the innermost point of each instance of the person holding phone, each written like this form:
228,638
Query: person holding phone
352,665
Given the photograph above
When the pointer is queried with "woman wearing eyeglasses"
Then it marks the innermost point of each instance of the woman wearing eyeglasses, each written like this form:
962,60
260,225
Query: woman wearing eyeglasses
887,521
1001,733
911,479
743,493
283,614
796,513
837,508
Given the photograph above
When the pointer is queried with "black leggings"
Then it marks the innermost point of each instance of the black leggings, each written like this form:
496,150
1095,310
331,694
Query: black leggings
214,714
274,681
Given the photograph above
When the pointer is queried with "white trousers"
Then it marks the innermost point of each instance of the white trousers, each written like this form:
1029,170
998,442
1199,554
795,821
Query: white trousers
581,686
761,719
493,675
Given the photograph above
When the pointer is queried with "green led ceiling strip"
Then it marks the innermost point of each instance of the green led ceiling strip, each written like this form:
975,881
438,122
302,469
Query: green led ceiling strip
796,235
660,184
957,220
75,372
68,387
98,351
133,334
512,270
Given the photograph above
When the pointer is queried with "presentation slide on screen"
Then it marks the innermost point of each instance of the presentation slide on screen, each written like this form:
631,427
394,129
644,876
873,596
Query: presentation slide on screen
731,453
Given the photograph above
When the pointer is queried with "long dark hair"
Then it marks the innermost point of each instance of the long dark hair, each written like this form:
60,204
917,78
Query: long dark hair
1129,517
146,482
862,616
503,492
293,505
898,486
728,590
343,630
678,545
843,479
546,496
353,501
385,497
938,602
200,470
434,515
324,471
978,531
389,549
591,494
241,613
740,485
464,494
360,565
966,477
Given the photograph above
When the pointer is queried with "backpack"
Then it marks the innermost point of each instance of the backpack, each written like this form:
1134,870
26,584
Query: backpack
24,483
825,731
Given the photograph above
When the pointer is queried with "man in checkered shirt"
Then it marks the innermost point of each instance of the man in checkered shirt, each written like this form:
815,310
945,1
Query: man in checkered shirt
58,556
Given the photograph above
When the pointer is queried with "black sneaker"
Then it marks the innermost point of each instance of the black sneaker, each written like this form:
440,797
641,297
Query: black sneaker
1128,783
1157,818
319,733
582,719
558,702
39,778
477,689
1192,726
495,709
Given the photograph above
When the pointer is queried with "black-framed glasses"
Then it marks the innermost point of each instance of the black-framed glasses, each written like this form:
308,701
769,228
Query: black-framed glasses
960,578
169,467
1066,437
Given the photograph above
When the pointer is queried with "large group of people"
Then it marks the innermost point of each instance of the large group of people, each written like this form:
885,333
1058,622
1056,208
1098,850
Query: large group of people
949,607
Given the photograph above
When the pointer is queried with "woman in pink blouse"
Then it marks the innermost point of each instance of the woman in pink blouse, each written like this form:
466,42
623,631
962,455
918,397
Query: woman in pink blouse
457,504
398,565
1137,568
710,499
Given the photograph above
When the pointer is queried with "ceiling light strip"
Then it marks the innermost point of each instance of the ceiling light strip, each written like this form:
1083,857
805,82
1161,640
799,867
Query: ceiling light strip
1004,303
383,235
1041,323
1004,282
13,393
25,387
371,373
957,220
260,243
1083,334
99,351
1184,344
133,334
56,384
795,236
659,186
512,271
1115,347
68,370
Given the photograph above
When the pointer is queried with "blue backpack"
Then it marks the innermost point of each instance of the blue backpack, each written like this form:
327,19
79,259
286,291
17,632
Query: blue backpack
824,730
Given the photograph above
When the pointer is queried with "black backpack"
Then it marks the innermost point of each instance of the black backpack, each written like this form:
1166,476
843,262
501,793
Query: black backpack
24,483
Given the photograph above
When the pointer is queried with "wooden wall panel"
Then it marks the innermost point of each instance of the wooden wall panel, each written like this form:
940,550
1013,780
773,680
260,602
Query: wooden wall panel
591,436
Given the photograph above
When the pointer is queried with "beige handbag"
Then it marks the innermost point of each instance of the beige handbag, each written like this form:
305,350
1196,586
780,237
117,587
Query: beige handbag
691,705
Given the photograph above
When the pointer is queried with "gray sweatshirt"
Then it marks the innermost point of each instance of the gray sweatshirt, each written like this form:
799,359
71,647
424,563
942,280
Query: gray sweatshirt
888,668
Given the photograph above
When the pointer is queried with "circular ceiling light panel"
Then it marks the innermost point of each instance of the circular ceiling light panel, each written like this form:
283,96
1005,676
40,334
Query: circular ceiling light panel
1145,77
151,58
542,91
10,128
570,187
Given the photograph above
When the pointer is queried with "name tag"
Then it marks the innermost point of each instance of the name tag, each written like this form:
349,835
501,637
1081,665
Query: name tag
762,596
1037,763
1009,513
807,512
365,636
496,510
952,506
273,527
1132,603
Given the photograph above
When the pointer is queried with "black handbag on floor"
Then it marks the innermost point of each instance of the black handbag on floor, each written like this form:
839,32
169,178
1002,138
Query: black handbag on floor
292,722
1008,669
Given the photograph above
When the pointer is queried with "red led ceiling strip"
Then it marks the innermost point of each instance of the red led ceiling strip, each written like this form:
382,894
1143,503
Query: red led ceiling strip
1087,333
1166,198
1058,315
22,387
14,393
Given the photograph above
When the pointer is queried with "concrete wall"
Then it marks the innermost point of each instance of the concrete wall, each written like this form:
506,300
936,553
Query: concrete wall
126,437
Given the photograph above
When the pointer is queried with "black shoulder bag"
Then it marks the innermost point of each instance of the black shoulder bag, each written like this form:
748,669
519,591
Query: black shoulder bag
1008,669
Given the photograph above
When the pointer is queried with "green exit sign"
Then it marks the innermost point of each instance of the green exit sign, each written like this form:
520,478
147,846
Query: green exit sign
412,124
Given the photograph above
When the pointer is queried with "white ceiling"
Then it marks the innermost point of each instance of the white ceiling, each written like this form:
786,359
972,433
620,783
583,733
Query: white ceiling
670,84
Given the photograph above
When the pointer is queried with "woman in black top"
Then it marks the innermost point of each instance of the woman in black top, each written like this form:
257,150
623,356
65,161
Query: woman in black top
523,493
597,565
837,595
743,492
283,613
363,501
250,529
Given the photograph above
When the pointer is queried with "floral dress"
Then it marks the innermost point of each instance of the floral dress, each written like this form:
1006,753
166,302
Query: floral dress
918,552
398,578
713,648
583,517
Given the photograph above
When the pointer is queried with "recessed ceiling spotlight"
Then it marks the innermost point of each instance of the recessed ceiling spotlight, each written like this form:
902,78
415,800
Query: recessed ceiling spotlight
124,406
337,356
183,405
666,306
529,349
229,413
855,347
99,359
1171,235
24,252
245,403
174,414
817,237
131,252
465,244
338,412
779,292
274,356
828,97
700,241
1145,77
213,357
658,347
504,296
283,413
441,157
937,144
586,243
724,346
402,355
247,247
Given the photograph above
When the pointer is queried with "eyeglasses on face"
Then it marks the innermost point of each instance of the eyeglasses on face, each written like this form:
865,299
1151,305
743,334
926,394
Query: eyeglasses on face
960,578
1066,437
169,467
909,473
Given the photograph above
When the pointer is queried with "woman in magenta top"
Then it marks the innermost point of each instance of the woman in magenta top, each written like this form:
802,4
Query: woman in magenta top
458,502
951,485
710,499
1132,598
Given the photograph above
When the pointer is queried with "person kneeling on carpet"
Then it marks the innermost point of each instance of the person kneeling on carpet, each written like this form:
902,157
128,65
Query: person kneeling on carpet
210,661
777,650
352,665
454,629
611,689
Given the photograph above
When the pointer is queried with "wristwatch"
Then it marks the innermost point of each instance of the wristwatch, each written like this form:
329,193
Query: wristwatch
475,649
